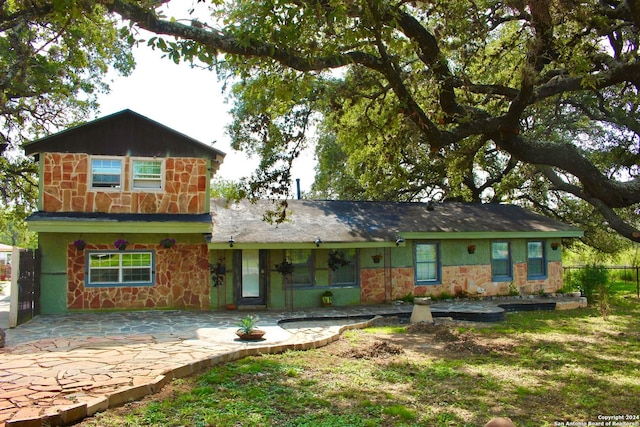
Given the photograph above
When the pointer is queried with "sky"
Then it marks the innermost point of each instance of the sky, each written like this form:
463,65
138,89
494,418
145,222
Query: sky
190,101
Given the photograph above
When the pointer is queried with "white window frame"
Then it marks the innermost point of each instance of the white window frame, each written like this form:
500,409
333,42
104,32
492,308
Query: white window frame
436,263
159,179
119,187
121,268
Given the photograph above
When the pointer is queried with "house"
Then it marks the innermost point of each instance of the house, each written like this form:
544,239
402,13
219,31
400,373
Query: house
393,250
123,178
125,222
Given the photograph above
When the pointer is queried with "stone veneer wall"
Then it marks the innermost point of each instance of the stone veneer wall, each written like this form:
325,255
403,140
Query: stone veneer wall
66,188
182,281
375,287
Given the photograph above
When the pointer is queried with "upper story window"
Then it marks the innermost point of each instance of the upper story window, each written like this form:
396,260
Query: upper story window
302,261
500,261
147,174
120,268
106,173
535,260
427,263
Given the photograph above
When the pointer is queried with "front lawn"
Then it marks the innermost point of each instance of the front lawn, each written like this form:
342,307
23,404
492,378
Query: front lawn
539,368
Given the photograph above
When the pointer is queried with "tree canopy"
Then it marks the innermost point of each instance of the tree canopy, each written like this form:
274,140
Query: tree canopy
54,56
524,101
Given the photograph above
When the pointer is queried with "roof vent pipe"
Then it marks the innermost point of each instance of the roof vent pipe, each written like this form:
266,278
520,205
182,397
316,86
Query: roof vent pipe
298,187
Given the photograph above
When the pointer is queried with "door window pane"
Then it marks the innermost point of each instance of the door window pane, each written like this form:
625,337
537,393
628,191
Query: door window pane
250,273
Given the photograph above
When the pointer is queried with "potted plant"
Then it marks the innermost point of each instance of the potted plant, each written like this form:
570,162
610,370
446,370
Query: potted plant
555,245
327,298
471,248
337,259
376,258
121,244
80,244
247,330
167,243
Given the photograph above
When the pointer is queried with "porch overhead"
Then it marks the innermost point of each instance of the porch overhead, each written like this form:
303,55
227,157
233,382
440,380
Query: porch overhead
81,222
332,224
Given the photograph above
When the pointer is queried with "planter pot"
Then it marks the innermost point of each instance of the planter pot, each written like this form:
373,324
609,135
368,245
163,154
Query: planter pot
327,301
80,247
231,306
255,335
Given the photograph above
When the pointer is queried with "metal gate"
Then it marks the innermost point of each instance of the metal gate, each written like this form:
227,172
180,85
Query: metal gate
28,285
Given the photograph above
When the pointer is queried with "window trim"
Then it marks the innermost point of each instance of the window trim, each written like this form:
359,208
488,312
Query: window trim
119,284
438,262
311,266
120,186
353,266
544,273
132,181
509,275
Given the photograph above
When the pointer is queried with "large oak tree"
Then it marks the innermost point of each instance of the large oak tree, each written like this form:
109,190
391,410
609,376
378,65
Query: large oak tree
54,57
527,101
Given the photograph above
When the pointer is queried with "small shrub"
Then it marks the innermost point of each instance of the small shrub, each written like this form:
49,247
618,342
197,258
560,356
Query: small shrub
591,279
408,298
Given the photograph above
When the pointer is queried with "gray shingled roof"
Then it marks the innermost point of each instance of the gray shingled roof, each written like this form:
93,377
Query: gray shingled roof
361,221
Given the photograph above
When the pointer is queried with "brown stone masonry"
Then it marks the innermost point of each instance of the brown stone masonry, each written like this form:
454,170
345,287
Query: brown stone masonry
475,280
182,281
66,181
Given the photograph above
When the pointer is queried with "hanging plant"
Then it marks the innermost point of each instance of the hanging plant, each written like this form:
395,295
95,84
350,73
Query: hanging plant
471,248
285,268
80,244
376,258
337,259
121,244
555,245
167,243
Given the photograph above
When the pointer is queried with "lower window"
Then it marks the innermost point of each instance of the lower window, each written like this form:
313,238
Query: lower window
130,268
500,261
345,275
302,261
427,263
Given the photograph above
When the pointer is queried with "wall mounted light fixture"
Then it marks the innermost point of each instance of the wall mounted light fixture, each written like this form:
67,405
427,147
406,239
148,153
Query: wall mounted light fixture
318,242
231,242
399,240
